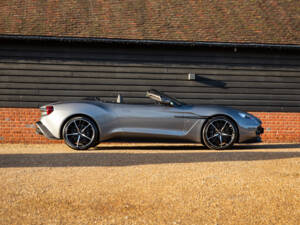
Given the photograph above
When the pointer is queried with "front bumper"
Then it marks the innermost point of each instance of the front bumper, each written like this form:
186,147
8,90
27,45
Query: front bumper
259,130
255,138
42,130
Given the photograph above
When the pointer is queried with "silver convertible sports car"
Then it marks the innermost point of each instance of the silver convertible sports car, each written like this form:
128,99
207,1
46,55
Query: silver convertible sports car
85,123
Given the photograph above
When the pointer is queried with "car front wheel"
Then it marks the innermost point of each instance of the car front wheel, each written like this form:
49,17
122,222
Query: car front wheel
80,133
219,133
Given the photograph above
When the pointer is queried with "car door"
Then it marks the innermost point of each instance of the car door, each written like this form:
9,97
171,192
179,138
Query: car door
148,120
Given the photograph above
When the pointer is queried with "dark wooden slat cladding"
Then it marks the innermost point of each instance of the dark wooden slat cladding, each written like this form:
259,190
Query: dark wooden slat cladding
119,54
132,94
230,102
147,76
101,66
31,76
152,59
136,73
152,82
173,90
118,50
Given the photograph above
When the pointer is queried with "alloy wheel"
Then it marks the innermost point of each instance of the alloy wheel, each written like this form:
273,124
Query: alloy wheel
79,133
220,133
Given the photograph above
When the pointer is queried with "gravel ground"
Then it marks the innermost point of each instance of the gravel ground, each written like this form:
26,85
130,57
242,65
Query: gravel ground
150,184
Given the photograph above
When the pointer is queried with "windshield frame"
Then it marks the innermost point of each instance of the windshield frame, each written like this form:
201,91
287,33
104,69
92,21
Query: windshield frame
173,99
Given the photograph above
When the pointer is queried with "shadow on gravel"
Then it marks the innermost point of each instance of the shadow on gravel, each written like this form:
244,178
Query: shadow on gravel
265,146
108,159
196,147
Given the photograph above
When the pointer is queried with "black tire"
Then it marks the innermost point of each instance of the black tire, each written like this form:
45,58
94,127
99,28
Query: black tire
80,133
219,133
95,144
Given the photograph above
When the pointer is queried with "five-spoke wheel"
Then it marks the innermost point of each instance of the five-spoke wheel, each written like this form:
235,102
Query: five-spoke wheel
80,133
219,133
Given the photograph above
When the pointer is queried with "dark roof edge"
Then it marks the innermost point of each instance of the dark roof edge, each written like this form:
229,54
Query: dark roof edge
136,42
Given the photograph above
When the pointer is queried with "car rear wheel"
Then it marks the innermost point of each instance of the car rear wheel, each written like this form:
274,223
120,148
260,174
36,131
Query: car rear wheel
219,133
80,133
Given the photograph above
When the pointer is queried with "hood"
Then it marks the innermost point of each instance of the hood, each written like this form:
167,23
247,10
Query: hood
212,110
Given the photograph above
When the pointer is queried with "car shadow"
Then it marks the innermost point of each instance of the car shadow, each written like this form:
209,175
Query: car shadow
151,147
119,159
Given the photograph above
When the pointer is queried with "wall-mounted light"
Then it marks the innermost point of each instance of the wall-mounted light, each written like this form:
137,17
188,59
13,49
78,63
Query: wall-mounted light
191,76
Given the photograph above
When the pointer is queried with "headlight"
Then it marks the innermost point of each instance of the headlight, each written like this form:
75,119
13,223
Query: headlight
248,116
244,115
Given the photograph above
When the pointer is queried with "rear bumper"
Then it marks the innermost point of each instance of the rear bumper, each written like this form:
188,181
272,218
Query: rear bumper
42,130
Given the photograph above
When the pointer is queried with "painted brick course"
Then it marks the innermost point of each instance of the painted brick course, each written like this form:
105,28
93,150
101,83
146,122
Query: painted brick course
17,126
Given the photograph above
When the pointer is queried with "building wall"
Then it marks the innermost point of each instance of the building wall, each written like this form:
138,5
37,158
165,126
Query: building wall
262,81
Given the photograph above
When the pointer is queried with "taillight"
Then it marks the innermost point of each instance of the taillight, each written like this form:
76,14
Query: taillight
49,109
46,110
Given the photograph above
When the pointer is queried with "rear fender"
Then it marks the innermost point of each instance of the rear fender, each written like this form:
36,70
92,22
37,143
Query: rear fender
63,112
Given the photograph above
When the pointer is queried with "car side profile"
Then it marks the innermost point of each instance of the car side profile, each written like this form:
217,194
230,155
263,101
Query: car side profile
85,123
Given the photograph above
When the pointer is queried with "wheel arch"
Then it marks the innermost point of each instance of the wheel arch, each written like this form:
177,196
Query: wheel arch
75,115
229,117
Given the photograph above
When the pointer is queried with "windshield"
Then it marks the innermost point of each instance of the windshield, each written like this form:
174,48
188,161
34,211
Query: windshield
174,100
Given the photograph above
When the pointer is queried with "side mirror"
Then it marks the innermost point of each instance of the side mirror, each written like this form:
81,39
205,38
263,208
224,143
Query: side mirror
166,101
153,96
